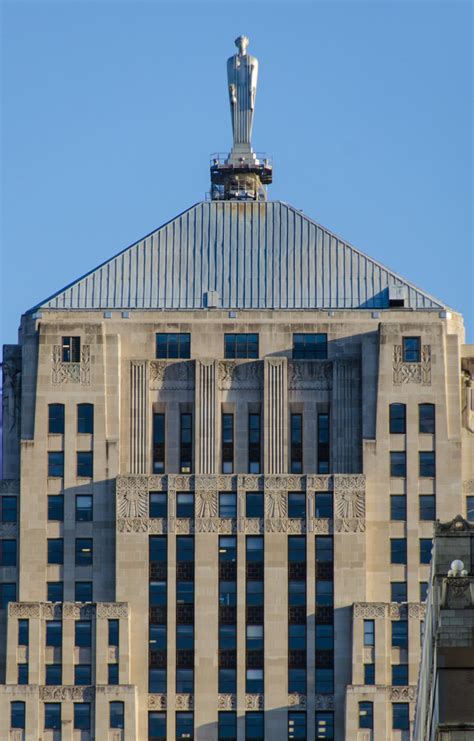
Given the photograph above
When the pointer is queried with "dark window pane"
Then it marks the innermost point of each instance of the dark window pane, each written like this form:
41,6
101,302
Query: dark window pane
55,550
158,548
54,633
22,673
426,545
117,715
400,633
227,726
254,681
470,509
84,553
84,511
241,346
369,673
158,443
228,637
227,504
254,451
398,591
184,726
56,419
297,637
158,504
366,715
323,504
53,674
324,684
82,674
427,464
7,552
400,674
23,632
56,464
52,716
227,443
398,507
254,504
185,548
324,637
56,507
369,633
400,716
83,591
157,680
423,591
71,349
85,418
296,443
411,350
427,507
173,345
113,632
82,716
324,549
397,419
254,545
186,443
426,418
85,464
325,725
157,725
185,638
17,715
55,591
297,680
323,443
310,346
83,633
296,548
185,680
227,548
254,636
398,550
8,509
296,504
297,725
185,504
398,463
7,594
254,726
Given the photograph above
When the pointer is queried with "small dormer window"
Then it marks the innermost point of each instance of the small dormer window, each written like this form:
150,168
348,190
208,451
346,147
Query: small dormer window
71,349
411,350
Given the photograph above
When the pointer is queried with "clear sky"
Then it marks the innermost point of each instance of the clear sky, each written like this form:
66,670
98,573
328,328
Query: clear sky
110,110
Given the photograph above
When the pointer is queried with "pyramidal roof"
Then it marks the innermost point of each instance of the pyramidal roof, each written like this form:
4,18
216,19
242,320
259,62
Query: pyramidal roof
240,255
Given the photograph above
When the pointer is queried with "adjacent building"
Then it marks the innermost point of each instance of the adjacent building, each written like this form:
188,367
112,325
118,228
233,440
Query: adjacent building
224,451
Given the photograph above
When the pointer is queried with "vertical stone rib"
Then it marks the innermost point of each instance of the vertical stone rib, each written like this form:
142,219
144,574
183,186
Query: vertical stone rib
346,414
138,417
275,415
206,416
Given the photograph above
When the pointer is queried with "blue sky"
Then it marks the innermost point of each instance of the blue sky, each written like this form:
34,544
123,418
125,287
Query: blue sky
111,109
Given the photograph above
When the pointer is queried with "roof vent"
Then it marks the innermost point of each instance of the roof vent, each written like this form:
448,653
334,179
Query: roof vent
397,295
211,299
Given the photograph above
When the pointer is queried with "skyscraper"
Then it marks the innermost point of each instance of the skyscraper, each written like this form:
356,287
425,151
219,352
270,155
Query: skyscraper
224,450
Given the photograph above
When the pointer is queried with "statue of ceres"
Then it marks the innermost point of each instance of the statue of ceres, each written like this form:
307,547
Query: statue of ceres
242,73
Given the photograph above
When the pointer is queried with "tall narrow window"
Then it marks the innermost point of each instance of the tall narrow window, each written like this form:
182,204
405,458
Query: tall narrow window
296,443
366,715
186,443
23,632
254,726
323,443
297,725
56,507
254,504
8,509
369,632
427,464
426,418
52,716
398,464
71,350
411,350
17,715
227,726
117,715
185,613
56,464
400,716
254,443
227,655
325,725
157,726
227,443
254,606
297,614
56,419
158,443
85,464
158,598
85,418
397,419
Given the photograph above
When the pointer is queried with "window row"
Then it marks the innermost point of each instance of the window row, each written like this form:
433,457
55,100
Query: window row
398,550
53,720
306,346
398,419
83,551
399,633
426,507
400,715
426,464
84,419
84,464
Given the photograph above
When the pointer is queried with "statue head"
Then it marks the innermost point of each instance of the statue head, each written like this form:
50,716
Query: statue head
241,43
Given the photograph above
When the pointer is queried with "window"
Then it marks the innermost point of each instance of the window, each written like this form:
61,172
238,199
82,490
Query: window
56,464
411,350
427,507
426,418
296,725
185,680
366,715
425,550
23,632
398,550
157,680
53,675
158,504
55,591
71,349
185,548
296,504
324,681
254,635
55,551
82,716
423,591
84,508
324,637
241,346
184,592
324,593
185,504
227,725
17,715
323,443
400,716
398,463
227,681
83,633
297,637
186,443
54,633
254,504
158,443
157,726
398,591
173,345
158,593
85,418
296,549
254,727
7,594
397,419
7,552
297,680
398,507
369,633
400,674
324,549
254,593
310,346
117,715
227,443
52,716
83,591
254,548
23,673
82,674
296,443
56,419
254,443
400,633
228,637
427,464
184,726
113,632
323,504
470,509
369,673
8,509
56,507
254,681
325,725
85,464
227,504
83,554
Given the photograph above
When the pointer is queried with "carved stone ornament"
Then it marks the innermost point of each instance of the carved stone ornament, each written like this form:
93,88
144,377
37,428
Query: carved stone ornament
412,372
8,529
9,486
226,702
455,526
206,503
349,504
285,482
158,526
308,374
417,610
51,610
24,609
319,483
254,702
157,482
62,373
184,702
320,525
184,526
180,482
324,702
171,375
241,375
132,496
250,482
397,611
468,486
275,503
78,610
112,609
459,593
296,700
133,525
370,609
407,693
65,693
254,526
346,525
349,482
296,526
156,701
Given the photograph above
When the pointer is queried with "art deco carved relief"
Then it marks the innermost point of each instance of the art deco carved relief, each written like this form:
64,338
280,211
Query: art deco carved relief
184,702
370,609
319,483
226,702
407,693
112,609
295,699
65,693
206,504
132,496
171,375
412,372
156,701
233,374
304,374
254,702
62,373
275,504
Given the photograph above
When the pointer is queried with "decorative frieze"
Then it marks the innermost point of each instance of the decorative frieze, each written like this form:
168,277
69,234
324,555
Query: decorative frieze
84,611
157,483
62,373
320,525
64,693
221,525
250,482
417,610
171,375
158,526
412,372
275,503
184,702
284,482
8,529
324,702
320,483
311,375
184,526
157,701
24,609
226,702
370,609
254,702
112,609
233,374
132,496
252,525
180,482
403,693
296,700
133,524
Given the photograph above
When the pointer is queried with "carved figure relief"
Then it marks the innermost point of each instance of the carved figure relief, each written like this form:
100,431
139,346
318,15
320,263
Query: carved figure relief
412,372
240,375
254,702
275,504
206,504
171,375
71,372
295,699
157,701
226,702
132,496
304,374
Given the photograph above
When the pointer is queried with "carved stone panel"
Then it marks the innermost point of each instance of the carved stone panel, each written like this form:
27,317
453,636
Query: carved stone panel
296,700
62,373
407,694
156,701
370,609
412,372
275,503
171,375
234,374
308,374
254,702
112,609
132,496
184,702
58,693
226,702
